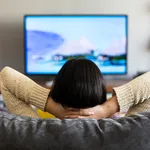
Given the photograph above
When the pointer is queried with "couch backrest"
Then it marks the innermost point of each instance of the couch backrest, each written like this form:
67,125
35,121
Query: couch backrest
26,133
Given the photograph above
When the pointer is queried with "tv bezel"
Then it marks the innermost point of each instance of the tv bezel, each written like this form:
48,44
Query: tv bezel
65,15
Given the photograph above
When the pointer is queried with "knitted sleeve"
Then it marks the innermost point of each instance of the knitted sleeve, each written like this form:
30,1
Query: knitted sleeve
135,95
19,92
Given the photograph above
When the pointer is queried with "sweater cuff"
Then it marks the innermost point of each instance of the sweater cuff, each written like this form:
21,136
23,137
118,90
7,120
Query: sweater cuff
39,96
124,96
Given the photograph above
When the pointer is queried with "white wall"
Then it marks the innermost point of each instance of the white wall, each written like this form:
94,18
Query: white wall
11,26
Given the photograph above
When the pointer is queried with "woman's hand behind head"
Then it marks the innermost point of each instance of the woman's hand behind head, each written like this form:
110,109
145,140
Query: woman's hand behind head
60,112
105,110
96,112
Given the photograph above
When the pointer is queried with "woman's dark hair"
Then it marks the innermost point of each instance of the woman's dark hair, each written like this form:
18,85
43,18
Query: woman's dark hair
79,84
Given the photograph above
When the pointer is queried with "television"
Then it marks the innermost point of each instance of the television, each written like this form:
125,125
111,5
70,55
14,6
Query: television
51,40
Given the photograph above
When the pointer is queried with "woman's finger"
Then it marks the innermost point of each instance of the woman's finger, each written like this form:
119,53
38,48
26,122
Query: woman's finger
72,109
86,112
72,113
80,113
71,116
77,116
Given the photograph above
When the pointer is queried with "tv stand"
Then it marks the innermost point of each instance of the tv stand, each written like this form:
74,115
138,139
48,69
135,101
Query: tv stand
110,83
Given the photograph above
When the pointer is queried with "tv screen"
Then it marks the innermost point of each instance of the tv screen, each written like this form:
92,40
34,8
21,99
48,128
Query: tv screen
51,40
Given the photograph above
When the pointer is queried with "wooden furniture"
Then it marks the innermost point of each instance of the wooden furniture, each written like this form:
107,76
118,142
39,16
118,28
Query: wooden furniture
109,84
114,83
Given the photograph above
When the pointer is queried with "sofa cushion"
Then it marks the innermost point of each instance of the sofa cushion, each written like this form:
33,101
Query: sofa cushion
25,133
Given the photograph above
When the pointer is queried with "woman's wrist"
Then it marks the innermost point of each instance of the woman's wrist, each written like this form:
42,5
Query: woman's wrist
50,106
110,107
54,108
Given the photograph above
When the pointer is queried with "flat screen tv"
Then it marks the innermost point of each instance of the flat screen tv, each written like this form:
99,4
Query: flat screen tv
51,40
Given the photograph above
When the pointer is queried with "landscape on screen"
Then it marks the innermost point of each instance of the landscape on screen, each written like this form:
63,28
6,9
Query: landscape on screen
47,49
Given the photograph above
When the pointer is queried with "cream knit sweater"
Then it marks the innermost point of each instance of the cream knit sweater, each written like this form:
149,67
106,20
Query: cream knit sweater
19,92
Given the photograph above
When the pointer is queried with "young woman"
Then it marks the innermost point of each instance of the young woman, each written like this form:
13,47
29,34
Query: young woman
19,92
79,84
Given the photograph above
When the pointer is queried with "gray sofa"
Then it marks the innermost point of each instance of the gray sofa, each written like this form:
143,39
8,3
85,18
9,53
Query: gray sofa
25,133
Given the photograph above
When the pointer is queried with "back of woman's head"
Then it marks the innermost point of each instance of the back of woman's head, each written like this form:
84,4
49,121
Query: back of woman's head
79,84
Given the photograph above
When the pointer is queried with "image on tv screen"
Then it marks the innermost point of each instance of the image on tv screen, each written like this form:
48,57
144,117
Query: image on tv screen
52,40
